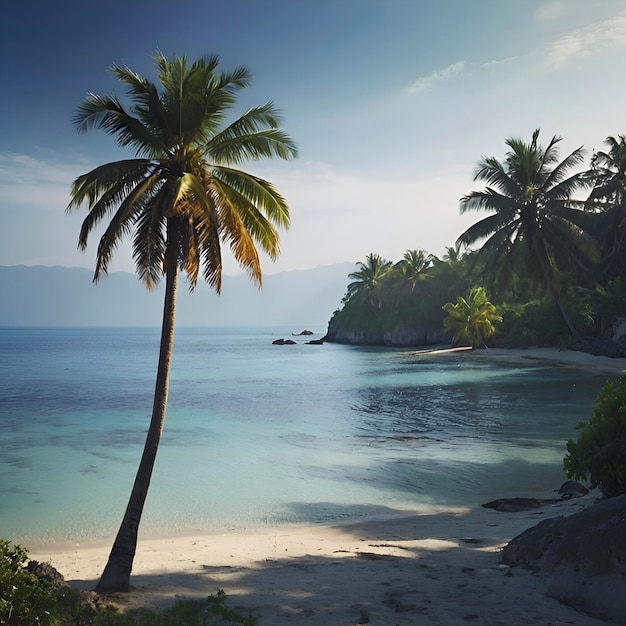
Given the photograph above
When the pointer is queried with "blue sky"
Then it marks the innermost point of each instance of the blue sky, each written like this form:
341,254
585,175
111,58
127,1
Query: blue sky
391,102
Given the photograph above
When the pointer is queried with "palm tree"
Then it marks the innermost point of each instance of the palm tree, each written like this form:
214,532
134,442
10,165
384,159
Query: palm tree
181,197
369,280
471,318
535,222
608,196
412,268
609,172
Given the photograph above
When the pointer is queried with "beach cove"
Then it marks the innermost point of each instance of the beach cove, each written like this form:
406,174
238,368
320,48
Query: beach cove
400,560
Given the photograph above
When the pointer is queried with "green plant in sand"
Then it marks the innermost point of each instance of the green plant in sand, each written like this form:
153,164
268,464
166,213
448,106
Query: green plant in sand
181,196
471,318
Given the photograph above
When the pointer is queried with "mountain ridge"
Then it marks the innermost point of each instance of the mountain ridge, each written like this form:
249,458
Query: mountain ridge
38,295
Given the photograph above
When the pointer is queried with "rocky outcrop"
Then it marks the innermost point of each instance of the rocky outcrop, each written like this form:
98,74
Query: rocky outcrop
283,342
400,336
45,571
582,557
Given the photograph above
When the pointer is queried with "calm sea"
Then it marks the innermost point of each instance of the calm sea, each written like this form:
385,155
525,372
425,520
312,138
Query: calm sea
258,434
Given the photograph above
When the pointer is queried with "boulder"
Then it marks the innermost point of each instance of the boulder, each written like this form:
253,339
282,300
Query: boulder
45,571
283,342
515,505
582,557
572,489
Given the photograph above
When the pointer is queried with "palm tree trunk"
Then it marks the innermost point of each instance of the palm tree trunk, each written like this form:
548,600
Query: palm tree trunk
554,291
116,575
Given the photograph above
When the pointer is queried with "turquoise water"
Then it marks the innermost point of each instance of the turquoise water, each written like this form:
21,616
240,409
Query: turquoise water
258,434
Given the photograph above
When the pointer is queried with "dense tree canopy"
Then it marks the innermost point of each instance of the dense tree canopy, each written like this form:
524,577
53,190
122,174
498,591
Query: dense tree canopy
552,251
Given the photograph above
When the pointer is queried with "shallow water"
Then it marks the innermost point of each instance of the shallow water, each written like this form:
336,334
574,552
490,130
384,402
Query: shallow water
258,434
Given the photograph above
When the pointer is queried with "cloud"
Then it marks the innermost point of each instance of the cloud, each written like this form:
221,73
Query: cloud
550,11
596,38
425,83
29,181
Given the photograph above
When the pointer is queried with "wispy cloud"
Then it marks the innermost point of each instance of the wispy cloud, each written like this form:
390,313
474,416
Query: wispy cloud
425,83
593,39
27,180
550,11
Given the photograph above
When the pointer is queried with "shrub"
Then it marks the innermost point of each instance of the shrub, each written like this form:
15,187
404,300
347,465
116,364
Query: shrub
24,599
600,452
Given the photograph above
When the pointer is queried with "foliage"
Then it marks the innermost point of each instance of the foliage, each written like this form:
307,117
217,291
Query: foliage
471,318
534,224
532,323
599,454
24,599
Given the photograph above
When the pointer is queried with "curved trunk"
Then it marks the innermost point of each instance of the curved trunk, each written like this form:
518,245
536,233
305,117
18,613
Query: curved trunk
116,575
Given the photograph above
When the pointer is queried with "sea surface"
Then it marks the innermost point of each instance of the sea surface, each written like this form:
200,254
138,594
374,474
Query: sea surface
258,434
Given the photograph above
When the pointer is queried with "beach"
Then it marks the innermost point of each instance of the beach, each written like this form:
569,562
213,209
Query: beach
438,567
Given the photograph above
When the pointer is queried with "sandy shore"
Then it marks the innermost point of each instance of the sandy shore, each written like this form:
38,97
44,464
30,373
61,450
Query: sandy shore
438,568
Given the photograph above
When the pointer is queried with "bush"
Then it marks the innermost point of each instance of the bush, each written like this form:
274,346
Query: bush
24,599
600,452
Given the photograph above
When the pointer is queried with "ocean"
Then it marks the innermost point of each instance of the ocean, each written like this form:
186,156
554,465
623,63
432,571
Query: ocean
260,435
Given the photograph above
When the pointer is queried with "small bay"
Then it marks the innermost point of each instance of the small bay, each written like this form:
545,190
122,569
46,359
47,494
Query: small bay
258,434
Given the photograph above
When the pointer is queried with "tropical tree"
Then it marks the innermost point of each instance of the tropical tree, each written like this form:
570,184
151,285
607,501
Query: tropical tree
411,269
471,318
368,282
180,197
535,220
608,200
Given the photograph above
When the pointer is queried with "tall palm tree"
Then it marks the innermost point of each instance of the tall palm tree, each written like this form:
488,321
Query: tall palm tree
608,200
535,220
369,280
181,197
471,318
412,268
609,172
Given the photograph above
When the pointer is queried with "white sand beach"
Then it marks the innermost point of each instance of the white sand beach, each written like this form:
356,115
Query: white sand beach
437,568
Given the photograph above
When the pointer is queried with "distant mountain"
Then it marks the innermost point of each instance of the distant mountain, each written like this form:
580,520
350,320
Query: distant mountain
66,296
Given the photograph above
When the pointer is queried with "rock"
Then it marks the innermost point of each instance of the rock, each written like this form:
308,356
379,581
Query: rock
45,571
304,332
515,505
283,342
573,489
315,342
582,558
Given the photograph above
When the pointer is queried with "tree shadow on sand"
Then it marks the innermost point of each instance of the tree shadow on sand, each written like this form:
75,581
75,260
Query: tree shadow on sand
419,569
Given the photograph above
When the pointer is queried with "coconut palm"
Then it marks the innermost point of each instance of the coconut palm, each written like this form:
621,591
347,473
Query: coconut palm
471,318
535,220
369,280
180,198
608,198
411,269
609,172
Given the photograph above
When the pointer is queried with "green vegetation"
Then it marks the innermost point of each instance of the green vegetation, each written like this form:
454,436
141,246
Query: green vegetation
471,318
181,198
24,599
27,599
550,261
599,454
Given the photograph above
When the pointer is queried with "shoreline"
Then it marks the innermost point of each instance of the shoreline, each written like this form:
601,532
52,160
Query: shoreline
441,566
428,568
552,356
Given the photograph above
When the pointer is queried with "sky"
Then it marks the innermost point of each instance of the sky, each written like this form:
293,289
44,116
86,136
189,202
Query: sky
391,102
